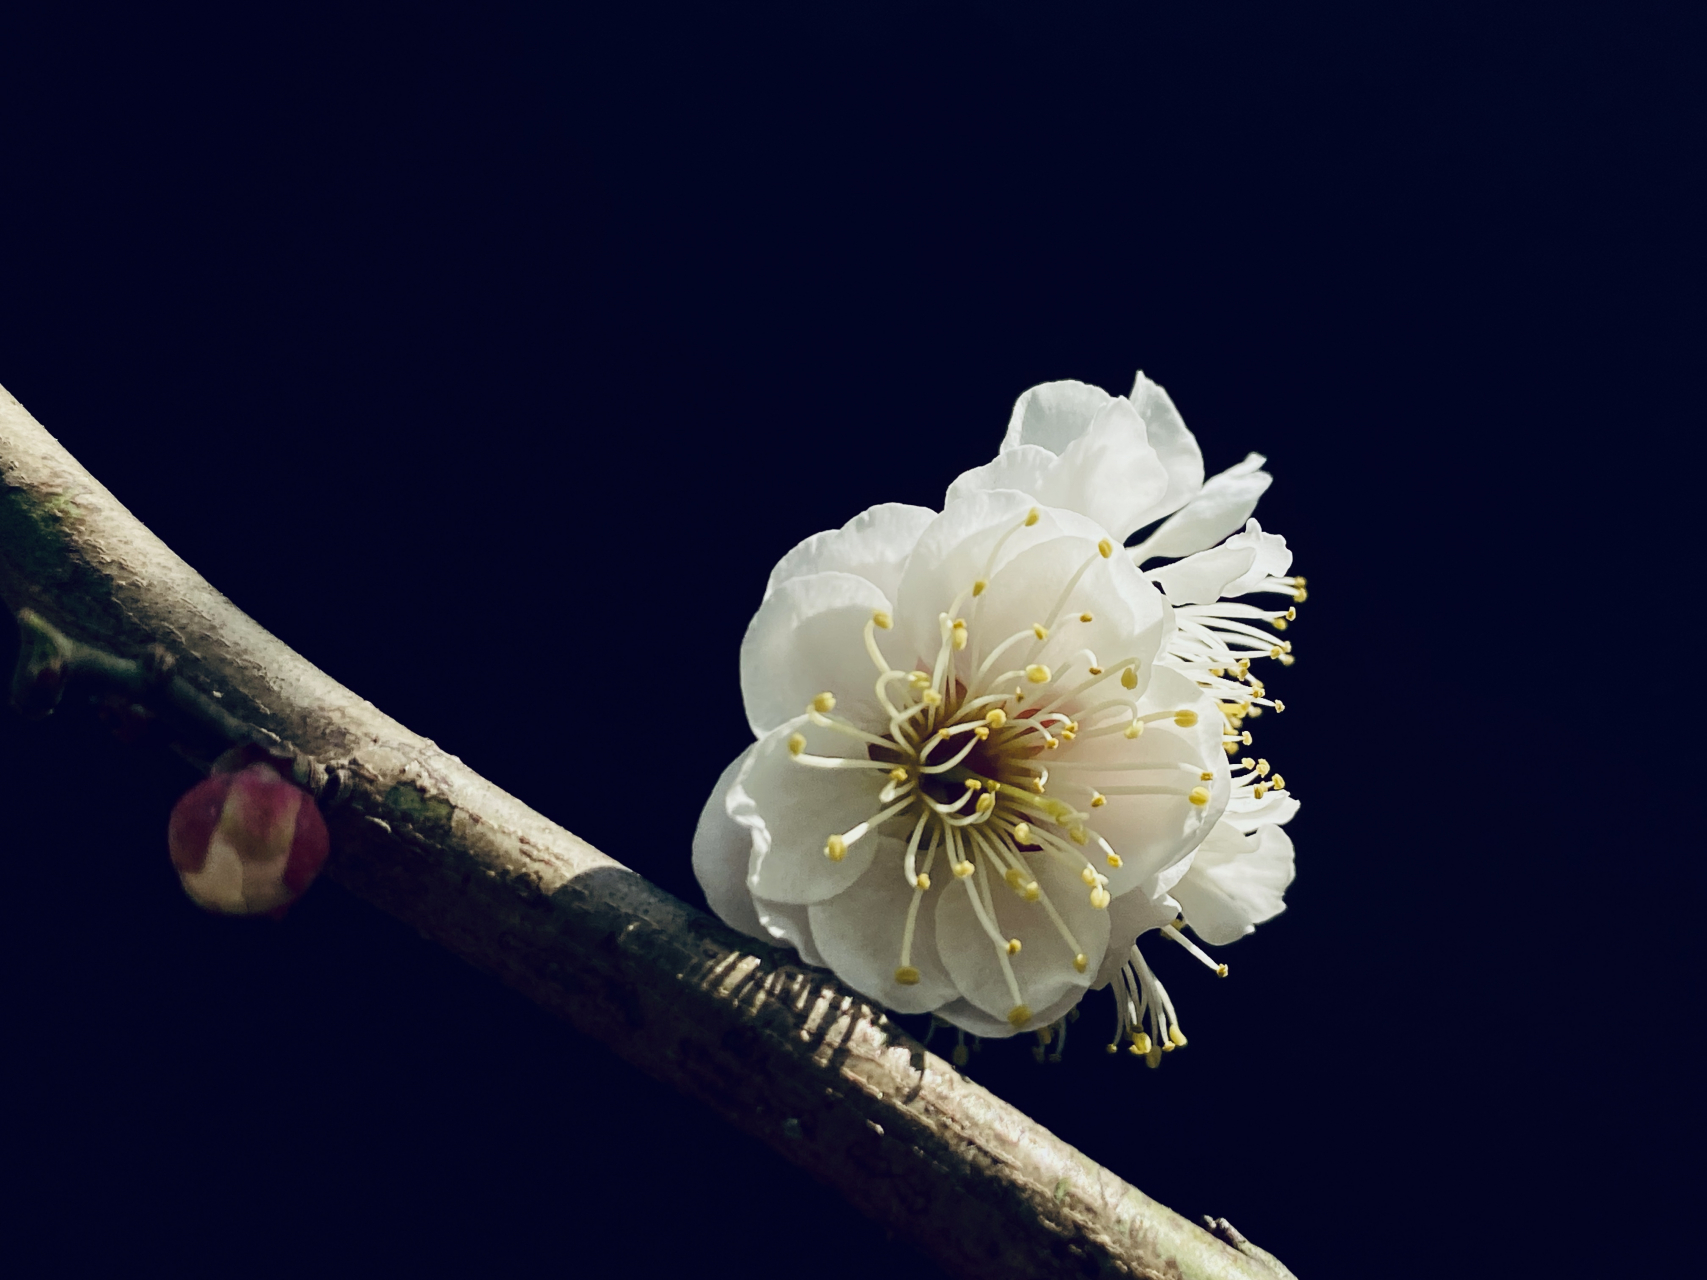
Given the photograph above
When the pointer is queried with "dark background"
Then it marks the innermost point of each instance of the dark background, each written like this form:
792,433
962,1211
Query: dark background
467,349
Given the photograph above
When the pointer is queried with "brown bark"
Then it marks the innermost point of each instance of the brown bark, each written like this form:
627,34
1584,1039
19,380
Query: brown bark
780,1050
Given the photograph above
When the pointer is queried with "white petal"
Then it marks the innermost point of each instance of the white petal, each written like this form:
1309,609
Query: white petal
1175,446
1110,473
806,638
1204,577
1020,594
722,848
874,545
1044,966
1053,415
954,552
1273,558
1236,882
974,1021
790,923
1129,916
1152,832
1024,468
790,810
1248,814
859,931
1223,504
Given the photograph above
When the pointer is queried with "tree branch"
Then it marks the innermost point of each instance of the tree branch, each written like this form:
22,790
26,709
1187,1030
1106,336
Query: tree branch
778,1049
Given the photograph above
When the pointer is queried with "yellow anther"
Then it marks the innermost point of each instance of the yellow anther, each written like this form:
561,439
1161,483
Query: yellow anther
1013,946
1298,578
918,680
1019,1015
1015,880
1036,784
1105,548
986,802
907,976
981,733
897,774
1129,678
1262,768
1085,617
1133,730
1199,796
972,784
882,619
1031,518
995,717
835,848
1259,791
922,883
1185,718
978,587
958,634
1037,673
1279,624
1279,705
1153,1059
1245,738
1300,595
824,703
958,1056
1077,834
1217,672
1279,783
1040,631
1246,762
962,870
1033,891
1100,897
1140,1042
1022,833
1081,962
931,698
1220,971
1095,671
1098,800
1177,1036
1088,876
1206,776
1051,743
1275,651
1044,1035
796,743
1292,615
1167,1046
990,784
1111,1048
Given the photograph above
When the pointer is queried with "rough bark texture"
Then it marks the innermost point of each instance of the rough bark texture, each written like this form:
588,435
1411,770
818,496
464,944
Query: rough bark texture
780,1050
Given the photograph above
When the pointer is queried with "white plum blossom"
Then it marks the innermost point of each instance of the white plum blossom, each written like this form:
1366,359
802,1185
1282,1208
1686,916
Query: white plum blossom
993,748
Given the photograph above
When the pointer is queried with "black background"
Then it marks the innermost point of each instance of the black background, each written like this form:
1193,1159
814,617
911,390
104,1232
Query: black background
490,358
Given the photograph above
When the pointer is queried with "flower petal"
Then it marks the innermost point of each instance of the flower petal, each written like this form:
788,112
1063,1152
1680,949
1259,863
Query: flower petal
1273,558
955,551
1044,966
1175,446
790,810
808,637
788,922
1152,832
974,1021
1248,814
859,931
874,545
1130,916
1204,577
1223,504
722,848
1053,415
1236,882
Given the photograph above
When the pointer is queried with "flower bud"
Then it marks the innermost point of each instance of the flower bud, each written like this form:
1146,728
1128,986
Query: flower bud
246,840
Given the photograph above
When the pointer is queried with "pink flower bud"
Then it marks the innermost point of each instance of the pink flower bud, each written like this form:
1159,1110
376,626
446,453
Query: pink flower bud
248,841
